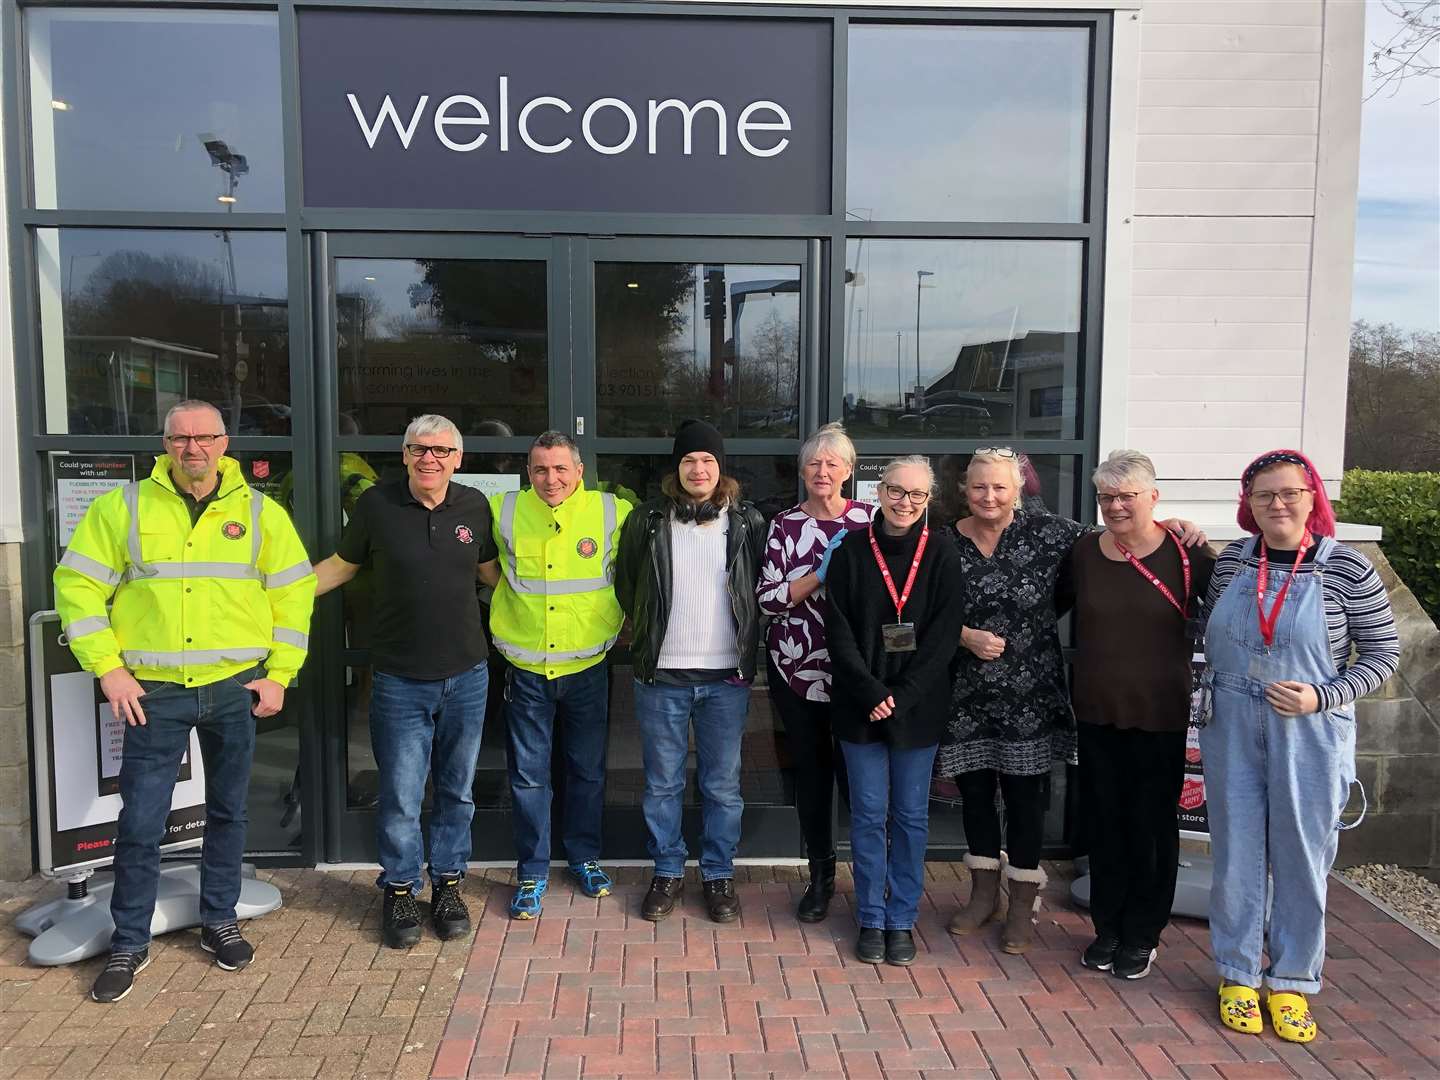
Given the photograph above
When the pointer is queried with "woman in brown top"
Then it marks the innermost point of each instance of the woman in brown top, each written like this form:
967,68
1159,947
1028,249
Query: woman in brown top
1133,588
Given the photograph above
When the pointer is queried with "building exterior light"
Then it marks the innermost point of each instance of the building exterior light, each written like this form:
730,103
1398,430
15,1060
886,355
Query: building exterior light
226,199
59,106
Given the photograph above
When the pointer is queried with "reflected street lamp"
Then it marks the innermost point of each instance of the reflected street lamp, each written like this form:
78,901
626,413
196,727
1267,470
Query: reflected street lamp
920,276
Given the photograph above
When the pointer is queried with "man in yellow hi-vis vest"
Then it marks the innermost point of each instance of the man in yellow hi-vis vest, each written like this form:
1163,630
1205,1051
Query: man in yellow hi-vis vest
212,593
554,617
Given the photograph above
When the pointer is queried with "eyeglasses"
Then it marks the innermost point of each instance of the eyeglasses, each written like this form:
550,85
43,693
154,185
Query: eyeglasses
1288,496
894,492
418,450
998,451
1120,498
182,441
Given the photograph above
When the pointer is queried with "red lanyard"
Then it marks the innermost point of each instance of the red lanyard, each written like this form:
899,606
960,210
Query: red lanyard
1148,576
1267,623
902,597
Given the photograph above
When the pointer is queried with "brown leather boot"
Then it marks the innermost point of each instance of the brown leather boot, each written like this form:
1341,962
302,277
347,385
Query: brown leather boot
986,901
1018,932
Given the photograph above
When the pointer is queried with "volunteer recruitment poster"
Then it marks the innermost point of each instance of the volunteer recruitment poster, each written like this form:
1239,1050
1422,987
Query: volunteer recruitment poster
78,740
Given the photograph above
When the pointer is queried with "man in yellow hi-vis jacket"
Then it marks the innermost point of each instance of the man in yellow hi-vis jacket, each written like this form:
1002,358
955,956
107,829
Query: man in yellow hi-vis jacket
212,592
554,617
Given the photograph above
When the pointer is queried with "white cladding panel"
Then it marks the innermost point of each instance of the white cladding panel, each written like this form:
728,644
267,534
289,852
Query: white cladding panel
1237,134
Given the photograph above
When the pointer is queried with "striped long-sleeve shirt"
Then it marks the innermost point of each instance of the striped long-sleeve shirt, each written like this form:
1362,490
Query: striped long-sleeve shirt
1357,617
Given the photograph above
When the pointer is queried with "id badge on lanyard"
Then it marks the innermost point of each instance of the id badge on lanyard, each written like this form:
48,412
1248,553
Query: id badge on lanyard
899,636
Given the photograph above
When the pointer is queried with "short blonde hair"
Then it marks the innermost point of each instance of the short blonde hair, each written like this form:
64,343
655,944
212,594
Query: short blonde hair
910,461
1011,461
1125,467
833,436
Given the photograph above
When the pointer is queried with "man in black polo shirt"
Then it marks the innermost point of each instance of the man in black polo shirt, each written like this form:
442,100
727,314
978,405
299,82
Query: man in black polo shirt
429,538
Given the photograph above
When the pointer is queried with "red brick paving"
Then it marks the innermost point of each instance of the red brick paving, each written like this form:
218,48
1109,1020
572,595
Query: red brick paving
592,990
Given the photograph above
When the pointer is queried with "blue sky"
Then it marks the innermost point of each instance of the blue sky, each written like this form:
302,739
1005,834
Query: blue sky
1397,232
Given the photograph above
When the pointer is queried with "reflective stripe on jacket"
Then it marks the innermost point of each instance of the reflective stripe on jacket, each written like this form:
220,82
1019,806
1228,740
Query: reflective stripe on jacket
192,605
555,611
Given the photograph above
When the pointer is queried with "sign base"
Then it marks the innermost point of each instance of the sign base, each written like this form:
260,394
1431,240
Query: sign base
1192,887
67,931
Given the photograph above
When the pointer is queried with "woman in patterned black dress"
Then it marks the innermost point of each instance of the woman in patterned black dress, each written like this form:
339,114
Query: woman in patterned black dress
1010,709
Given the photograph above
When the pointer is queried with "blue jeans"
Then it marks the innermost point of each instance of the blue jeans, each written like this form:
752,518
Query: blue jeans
220,714
416,724
533,704
894,785
665,714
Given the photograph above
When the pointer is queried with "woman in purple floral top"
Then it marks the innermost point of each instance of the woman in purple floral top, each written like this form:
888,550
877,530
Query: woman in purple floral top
791,592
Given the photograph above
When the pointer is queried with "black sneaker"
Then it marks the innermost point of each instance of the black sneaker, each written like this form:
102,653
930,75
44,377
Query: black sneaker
448,914
870,945
899,947
1132,962
662,897
232,952
401,919
115,981
1100,954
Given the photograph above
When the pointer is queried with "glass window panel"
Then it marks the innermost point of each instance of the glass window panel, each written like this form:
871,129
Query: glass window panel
966,339
134,320
155,110
718,341
465,338
357,472
967,123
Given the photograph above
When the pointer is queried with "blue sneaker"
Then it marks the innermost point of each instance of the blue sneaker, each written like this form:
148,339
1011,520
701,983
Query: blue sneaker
594,882
525,904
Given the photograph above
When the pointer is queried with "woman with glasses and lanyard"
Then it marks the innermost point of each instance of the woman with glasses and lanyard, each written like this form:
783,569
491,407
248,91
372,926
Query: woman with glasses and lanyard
1300,627
1134,588
1010,711
892,628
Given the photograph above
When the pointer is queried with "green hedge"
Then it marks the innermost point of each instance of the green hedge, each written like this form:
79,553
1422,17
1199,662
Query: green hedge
1407,506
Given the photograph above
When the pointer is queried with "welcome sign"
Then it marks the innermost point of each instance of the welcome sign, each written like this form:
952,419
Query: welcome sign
499,111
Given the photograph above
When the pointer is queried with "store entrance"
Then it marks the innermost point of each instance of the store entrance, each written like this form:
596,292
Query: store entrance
613,341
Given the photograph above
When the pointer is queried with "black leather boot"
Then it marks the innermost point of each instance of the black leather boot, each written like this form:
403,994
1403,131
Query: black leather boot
815,904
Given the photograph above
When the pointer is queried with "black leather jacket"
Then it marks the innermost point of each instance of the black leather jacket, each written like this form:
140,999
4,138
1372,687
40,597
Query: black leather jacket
642,581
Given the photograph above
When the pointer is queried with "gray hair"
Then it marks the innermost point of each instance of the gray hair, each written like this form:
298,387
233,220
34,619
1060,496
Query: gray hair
548,440
1011,461
830,436
432,424
194,405
1124,467
916,461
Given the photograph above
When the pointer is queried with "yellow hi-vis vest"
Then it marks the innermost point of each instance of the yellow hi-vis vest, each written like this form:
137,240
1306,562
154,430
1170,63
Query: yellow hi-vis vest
192,605
554,611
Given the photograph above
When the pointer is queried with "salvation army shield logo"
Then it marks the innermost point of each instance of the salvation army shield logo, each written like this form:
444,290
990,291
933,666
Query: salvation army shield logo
587,548
464,535
1192,794
260,469
232,530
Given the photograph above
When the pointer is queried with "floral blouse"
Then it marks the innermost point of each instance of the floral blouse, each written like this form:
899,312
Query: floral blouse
796,637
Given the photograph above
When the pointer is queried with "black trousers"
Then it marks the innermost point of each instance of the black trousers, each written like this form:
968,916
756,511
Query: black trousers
1129,799
1025,799
817,760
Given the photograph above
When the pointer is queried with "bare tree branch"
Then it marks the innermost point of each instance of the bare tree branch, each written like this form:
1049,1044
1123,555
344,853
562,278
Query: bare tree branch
1412,51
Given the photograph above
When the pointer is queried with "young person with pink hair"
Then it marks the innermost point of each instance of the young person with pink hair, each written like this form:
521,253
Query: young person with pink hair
1300,627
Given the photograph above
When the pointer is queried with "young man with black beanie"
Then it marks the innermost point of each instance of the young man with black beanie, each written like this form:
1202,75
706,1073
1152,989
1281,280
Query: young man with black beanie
686,578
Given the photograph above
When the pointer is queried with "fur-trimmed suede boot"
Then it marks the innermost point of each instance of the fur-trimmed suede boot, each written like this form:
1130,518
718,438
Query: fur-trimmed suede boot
1019,930
986,902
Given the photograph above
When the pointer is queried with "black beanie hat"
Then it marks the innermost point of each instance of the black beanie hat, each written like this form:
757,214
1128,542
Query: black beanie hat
696,436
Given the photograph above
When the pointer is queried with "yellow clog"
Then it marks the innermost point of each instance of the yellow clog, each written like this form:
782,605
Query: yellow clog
1240,1009
1290,1017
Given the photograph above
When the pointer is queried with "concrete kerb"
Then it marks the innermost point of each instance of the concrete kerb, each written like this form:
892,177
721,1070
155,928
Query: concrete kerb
1375,901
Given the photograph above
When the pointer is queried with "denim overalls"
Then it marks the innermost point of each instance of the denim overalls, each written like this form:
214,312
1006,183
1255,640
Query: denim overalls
1275,785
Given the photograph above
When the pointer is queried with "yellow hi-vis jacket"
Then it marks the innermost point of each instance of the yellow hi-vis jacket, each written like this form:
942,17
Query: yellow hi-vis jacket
554,611
191,605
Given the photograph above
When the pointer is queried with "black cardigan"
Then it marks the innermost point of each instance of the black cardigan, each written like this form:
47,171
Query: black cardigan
864,673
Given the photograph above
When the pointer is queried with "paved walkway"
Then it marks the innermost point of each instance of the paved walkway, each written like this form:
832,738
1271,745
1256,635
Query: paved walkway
592,990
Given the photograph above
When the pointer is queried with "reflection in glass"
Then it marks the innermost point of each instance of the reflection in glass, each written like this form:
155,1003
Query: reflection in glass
965,339
155,110
714,341
133,321
357,473
967,123
465,338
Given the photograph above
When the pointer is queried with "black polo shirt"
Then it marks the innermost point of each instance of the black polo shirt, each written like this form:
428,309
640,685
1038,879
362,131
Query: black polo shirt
427,622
